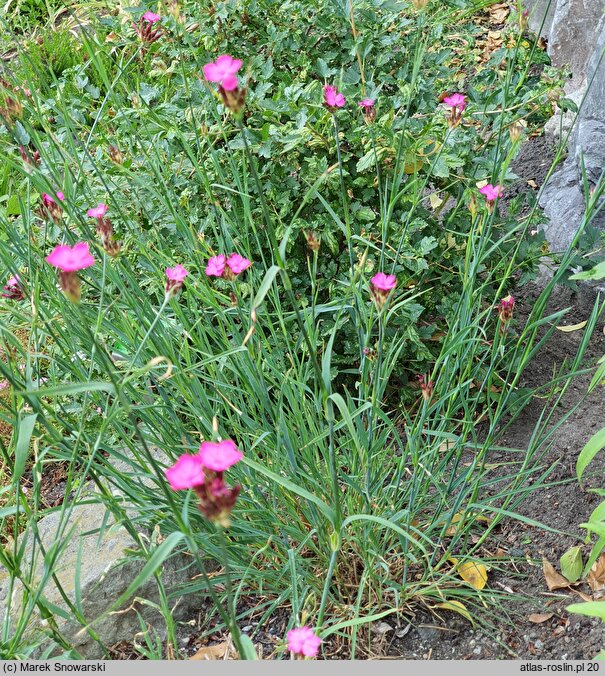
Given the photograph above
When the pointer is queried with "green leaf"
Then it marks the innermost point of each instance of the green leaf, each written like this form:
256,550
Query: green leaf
571,564
265,286
595,444
328,512
590,608
598,272
247,647
65,390
25,430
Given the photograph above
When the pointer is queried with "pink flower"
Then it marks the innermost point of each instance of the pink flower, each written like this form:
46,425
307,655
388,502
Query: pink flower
216,266
223,70
384,282
3,384
238,263
97,212
151,17
187,472
219,456
333,98
303,641
457,101
48,200
177,273
492,192
71,259
13,290
13,281
367,103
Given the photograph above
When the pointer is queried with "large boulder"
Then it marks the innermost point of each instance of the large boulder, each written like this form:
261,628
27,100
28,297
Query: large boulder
95,567
575,30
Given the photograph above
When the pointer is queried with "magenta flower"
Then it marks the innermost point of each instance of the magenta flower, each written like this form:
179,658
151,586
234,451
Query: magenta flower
174,280
457,101
367,103
303,641
48,200
332,98
223,70
238,263
384,282
216,266
71,259
219,456
492,192
187,472
13,290
151,17
177,273
97,212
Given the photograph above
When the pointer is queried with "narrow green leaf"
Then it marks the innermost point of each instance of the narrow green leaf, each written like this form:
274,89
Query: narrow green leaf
596,443
65,390
590,608
328,512
265,286
25,430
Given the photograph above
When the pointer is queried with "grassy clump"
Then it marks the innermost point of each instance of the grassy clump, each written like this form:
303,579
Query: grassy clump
358,487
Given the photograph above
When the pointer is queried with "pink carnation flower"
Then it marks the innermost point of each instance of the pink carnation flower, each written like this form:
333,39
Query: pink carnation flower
98,212
303,641
333,98
152,17
47,199
216,266
367,103
71,259
238,263
187,472
219,456
457,101
223,70
492,192
384,282
177,273
13,281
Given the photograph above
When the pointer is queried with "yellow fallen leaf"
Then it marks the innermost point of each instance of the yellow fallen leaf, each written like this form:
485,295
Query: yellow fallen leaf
472,572
457,607
572,327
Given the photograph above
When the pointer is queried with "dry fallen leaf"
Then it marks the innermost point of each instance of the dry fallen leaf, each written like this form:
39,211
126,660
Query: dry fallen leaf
572,327
532,184
596,575
457,607
553,579
498,13
538,618
472,572
212,652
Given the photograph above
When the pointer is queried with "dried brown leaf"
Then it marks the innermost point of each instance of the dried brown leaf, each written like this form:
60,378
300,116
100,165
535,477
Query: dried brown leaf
596,576
538,618
553,579
212,652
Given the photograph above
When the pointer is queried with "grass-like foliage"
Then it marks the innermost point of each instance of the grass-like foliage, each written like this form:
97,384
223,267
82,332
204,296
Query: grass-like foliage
366,408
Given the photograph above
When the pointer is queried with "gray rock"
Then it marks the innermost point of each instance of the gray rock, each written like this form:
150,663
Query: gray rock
541,13
563,198
96,565
560,124
576,25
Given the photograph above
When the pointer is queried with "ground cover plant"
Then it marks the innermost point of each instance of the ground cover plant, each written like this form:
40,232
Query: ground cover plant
260,294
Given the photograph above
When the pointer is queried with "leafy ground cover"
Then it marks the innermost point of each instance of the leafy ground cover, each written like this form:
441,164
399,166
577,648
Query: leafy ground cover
293,259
